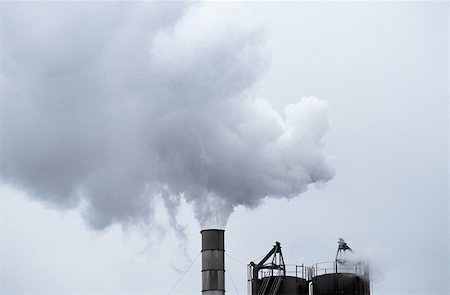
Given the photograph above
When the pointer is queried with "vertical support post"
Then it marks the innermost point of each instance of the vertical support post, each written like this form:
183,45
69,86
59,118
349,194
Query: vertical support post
213,262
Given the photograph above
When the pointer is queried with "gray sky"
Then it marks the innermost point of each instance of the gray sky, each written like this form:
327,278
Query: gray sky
87,89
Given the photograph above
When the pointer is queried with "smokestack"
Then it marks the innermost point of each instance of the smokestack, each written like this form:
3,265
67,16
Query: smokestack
213,262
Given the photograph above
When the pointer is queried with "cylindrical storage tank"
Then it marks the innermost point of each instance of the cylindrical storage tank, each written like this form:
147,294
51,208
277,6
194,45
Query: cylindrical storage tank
293,285
340,283
213,262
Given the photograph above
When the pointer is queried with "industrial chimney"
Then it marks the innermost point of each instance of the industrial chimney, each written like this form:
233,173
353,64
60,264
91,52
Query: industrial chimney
213,261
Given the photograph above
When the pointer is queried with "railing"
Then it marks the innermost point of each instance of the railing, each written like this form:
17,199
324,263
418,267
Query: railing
269,273
299,271
317,269
322,268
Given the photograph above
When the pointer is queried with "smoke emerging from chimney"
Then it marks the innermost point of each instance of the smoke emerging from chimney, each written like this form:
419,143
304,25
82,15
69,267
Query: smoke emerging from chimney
118,104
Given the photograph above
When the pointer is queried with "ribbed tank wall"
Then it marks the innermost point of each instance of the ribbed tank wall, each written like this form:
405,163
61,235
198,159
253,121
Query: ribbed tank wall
340,283
213,262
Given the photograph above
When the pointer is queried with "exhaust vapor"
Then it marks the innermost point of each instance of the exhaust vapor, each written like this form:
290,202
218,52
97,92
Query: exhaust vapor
117,104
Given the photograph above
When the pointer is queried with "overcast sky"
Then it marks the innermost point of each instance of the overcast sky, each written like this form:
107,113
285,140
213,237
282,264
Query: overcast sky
127,127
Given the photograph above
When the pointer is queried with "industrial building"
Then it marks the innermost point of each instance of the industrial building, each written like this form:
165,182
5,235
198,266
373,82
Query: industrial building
272,276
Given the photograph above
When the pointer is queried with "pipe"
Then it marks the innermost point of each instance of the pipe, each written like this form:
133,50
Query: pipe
213,262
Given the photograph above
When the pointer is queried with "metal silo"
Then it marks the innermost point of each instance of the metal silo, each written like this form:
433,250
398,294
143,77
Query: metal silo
341,276
213,262
272,276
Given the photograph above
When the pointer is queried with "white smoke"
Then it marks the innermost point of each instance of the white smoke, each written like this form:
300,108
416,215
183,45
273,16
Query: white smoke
116,104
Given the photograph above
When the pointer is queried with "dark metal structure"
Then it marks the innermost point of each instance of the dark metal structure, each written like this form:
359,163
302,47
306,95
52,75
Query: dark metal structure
271,275
341,276
342,247
213,262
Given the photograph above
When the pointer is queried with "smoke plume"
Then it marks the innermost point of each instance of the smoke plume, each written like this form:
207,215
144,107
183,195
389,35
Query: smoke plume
116,104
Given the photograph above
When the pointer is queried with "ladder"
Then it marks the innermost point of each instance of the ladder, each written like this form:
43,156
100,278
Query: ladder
275,285
264,285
